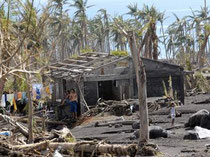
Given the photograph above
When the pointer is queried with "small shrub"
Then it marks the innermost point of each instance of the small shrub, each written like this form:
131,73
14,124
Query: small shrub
119,53
86,50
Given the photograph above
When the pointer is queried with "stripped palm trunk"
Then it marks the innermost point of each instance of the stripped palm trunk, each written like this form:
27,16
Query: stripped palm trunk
142,92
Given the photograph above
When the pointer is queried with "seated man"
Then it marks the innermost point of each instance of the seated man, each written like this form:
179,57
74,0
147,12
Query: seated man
73,103
62,114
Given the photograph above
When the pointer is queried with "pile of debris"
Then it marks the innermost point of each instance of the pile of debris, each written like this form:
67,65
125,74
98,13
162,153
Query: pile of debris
127,107
60,141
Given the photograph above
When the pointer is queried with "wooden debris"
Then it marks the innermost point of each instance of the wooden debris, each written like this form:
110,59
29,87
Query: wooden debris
22,129
88,147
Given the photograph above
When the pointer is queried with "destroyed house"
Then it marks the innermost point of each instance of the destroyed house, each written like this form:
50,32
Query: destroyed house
100,75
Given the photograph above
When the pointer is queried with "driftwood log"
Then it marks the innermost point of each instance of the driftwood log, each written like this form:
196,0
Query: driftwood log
22,128
87,147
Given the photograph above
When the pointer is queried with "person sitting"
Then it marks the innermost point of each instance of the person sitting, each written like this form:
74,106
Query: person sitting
66,98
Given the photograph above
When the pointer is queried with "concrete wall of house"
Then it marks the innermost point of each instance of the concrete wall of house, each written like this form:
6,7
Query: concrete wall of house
155,86
157,72
126,87
120,89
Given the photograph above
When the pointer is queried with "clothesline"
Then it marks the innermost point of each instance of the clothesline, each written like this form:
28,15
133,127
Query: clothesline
38,92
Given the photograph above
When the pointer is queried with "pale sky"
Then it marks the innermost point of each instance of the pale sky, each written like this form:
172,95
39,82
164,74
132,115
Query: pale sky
119,7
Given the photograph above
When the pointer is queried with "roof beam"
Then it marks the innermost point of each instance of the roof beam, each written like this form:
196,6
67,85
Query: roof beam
66,69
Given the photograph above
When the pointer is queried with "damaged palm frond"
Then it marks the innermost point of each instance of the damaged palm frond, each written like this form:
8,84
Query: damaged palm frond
202,84
168,92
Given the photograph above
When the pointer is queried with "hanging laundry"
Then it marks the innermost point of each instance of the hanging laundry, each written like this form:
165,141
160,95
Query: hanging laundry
5,95
19,96
44,93
24,96
38,93
10,98
14,104
37,88
3,102
47,89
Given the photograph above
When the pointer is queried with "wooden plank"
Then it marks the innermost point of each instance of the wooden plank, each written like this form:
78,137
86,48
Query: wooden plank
76,60
66,69
106,64
106,77
93,61
160,73
74,65
87,57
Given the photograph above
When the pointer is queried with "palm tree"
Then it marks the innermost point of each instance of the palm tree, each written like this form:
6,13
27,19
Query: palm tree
97,30
117,37
107,29
81,17
147,18
59,25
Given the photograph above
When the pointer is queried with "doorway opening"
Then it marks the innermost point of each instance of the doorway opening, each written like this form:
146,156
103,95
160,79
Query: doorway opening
105,90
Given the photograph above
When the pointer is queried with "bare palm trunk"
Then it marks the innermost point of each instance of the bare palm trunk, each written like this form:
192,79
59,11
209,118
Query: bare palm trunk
85,34
155,42
201,53
108,43
142,94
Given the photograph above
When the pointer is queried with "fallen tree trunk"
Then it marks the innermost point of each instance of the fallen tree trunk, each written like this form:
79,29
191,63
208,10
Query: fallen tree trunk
22,129
87,147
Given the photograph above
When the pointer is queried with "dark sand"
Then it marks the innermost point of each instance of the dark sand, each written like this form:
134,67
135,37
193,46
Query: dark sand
172,146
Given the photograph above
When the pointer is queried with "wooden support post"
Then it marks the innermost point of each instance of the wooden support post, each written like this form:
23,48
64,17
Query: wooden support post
43,121
30,110
82,96
54,92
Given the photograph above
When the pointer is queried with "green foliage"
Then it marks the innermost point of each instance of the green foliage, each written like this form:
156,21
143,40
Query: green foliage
86,50
202,83
168,92
38,77
119,53
16,83
165,89
9,85
207,28
75,56
70,139
188,64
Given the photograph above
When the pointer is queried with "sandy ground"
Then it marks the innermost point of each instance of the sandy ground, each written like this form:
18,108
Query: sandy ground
173,146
